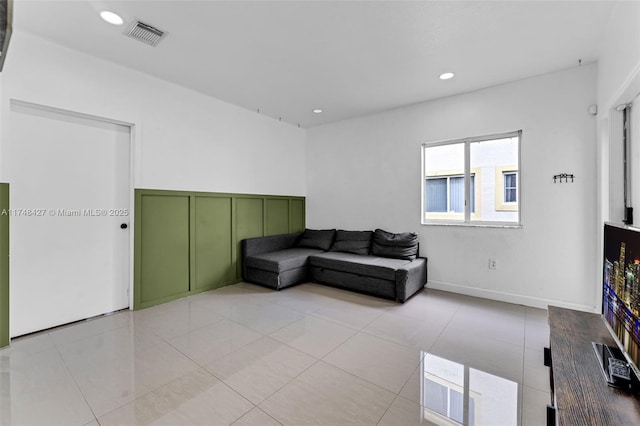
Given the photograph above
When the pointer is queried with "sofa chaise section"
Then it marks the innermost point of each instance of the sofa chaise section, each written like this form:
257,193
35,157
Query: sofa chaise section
282,260
396,279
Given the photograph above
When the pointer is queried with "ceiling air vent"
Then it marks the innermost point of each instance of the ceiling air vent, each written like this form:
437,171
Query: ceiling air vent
145,33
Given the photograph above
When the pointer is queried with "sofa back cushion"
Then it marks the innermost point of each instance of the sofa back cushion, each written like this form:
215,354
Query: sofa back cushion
318,239
356,242
397,246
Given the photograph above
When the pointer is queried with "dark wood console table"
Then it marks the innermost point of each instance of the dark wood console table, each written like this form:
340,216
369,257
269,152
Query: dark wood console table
579,393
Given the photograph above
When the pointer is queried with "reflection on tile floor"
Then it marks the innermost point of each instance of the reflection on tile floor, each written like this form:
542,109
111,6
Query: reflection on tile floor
311,354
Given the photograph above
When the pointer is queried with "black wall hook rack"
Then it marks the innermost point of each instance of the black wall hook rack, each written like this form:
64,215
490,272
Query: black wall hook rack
561,176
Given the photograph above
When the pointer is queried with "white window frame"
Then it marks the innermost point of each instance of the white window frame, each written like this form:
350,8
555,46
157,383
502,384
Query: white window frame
468,218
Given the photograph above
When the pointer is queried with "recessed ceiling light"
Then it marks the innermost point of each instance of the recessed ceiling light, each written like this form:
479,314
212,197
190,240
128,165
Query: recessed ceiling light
317,111
111,17
446,76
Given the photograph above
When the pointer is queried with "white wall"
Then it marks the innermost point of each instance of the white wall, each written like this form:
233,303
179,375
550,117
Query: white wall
618,83
365,173
183,140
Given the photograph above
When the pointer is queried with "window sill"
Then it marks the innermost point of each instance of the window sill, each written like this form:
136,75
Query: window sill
475,225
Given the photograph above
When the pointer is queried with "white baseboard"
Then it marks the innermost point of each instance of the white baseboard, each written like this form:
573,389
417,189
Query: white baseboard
518,299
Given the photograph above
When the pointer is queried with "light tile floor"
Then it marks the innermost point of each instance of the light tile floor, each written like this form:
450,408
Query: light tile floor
311,354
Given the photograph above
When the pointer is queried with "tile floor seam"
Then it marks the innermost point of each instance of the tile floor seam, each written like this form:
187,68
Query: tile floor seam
412,347
272,393
388,408
75,382
300,350
422,355
280,388
173,381
178,335
316,360
362,378
388,339
346,325
348,373
272,331
443,329
238,393
125,404
257,408
196,362
398,396
287,383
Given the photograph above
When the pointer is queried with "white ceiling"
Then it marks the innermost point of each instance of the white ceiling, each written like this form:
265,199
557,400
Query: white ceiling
350,58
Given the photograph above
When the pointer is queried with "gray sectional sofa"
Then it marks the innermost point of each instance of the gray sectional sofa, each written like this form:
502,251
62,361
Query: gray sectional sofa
373,262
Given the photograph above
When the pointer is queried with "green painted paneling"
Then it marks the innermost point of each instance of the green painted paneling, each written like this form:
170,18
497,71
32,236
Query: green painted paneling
4,265
188,242
165,247
277,216
213,248
249,218
296,215
249,223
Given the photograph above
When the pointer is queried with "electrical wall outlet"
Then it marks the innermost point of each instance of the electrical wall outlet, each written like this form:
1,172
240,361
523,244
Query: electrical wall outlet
492,264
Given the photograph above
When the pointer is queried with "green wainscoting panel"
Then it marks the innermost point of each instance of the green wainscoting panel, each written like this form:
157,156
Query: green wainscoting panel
213,249
4,265
164,247
189,242
249,217
296,215
277,217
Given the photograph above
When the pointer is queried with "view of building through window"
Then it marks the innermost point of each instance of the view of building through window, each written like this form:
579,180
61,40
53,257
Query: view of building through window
457,394
510,187
472,180
446,194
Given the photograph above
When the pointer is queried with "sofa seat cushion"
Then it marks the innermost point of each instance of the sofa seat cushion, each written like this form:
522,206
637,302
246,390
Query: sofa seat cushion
371,266
281,260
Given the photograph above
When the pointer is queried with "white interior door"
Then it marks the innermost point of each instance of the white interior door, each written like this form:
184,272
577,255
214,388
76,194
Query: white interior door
69,195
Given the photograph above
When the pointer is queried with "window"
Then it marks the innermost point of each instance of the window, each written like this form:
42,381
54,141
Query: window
446,194
507,179
474,180
510,188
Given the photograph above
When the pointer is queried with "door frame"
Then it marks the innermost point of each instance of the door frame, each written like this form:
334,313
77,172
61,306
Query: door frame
131,187
4,266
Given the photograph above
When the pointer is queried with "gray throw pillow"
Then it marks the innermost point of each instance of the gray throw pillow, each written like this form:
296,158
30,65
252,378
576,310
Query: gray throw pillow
357,242
397,246
320,239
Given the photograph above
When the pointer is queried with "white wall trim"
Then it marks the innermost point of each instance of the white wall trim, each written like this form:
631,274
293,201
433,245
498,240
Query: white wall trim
518,299
627,91
48,108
